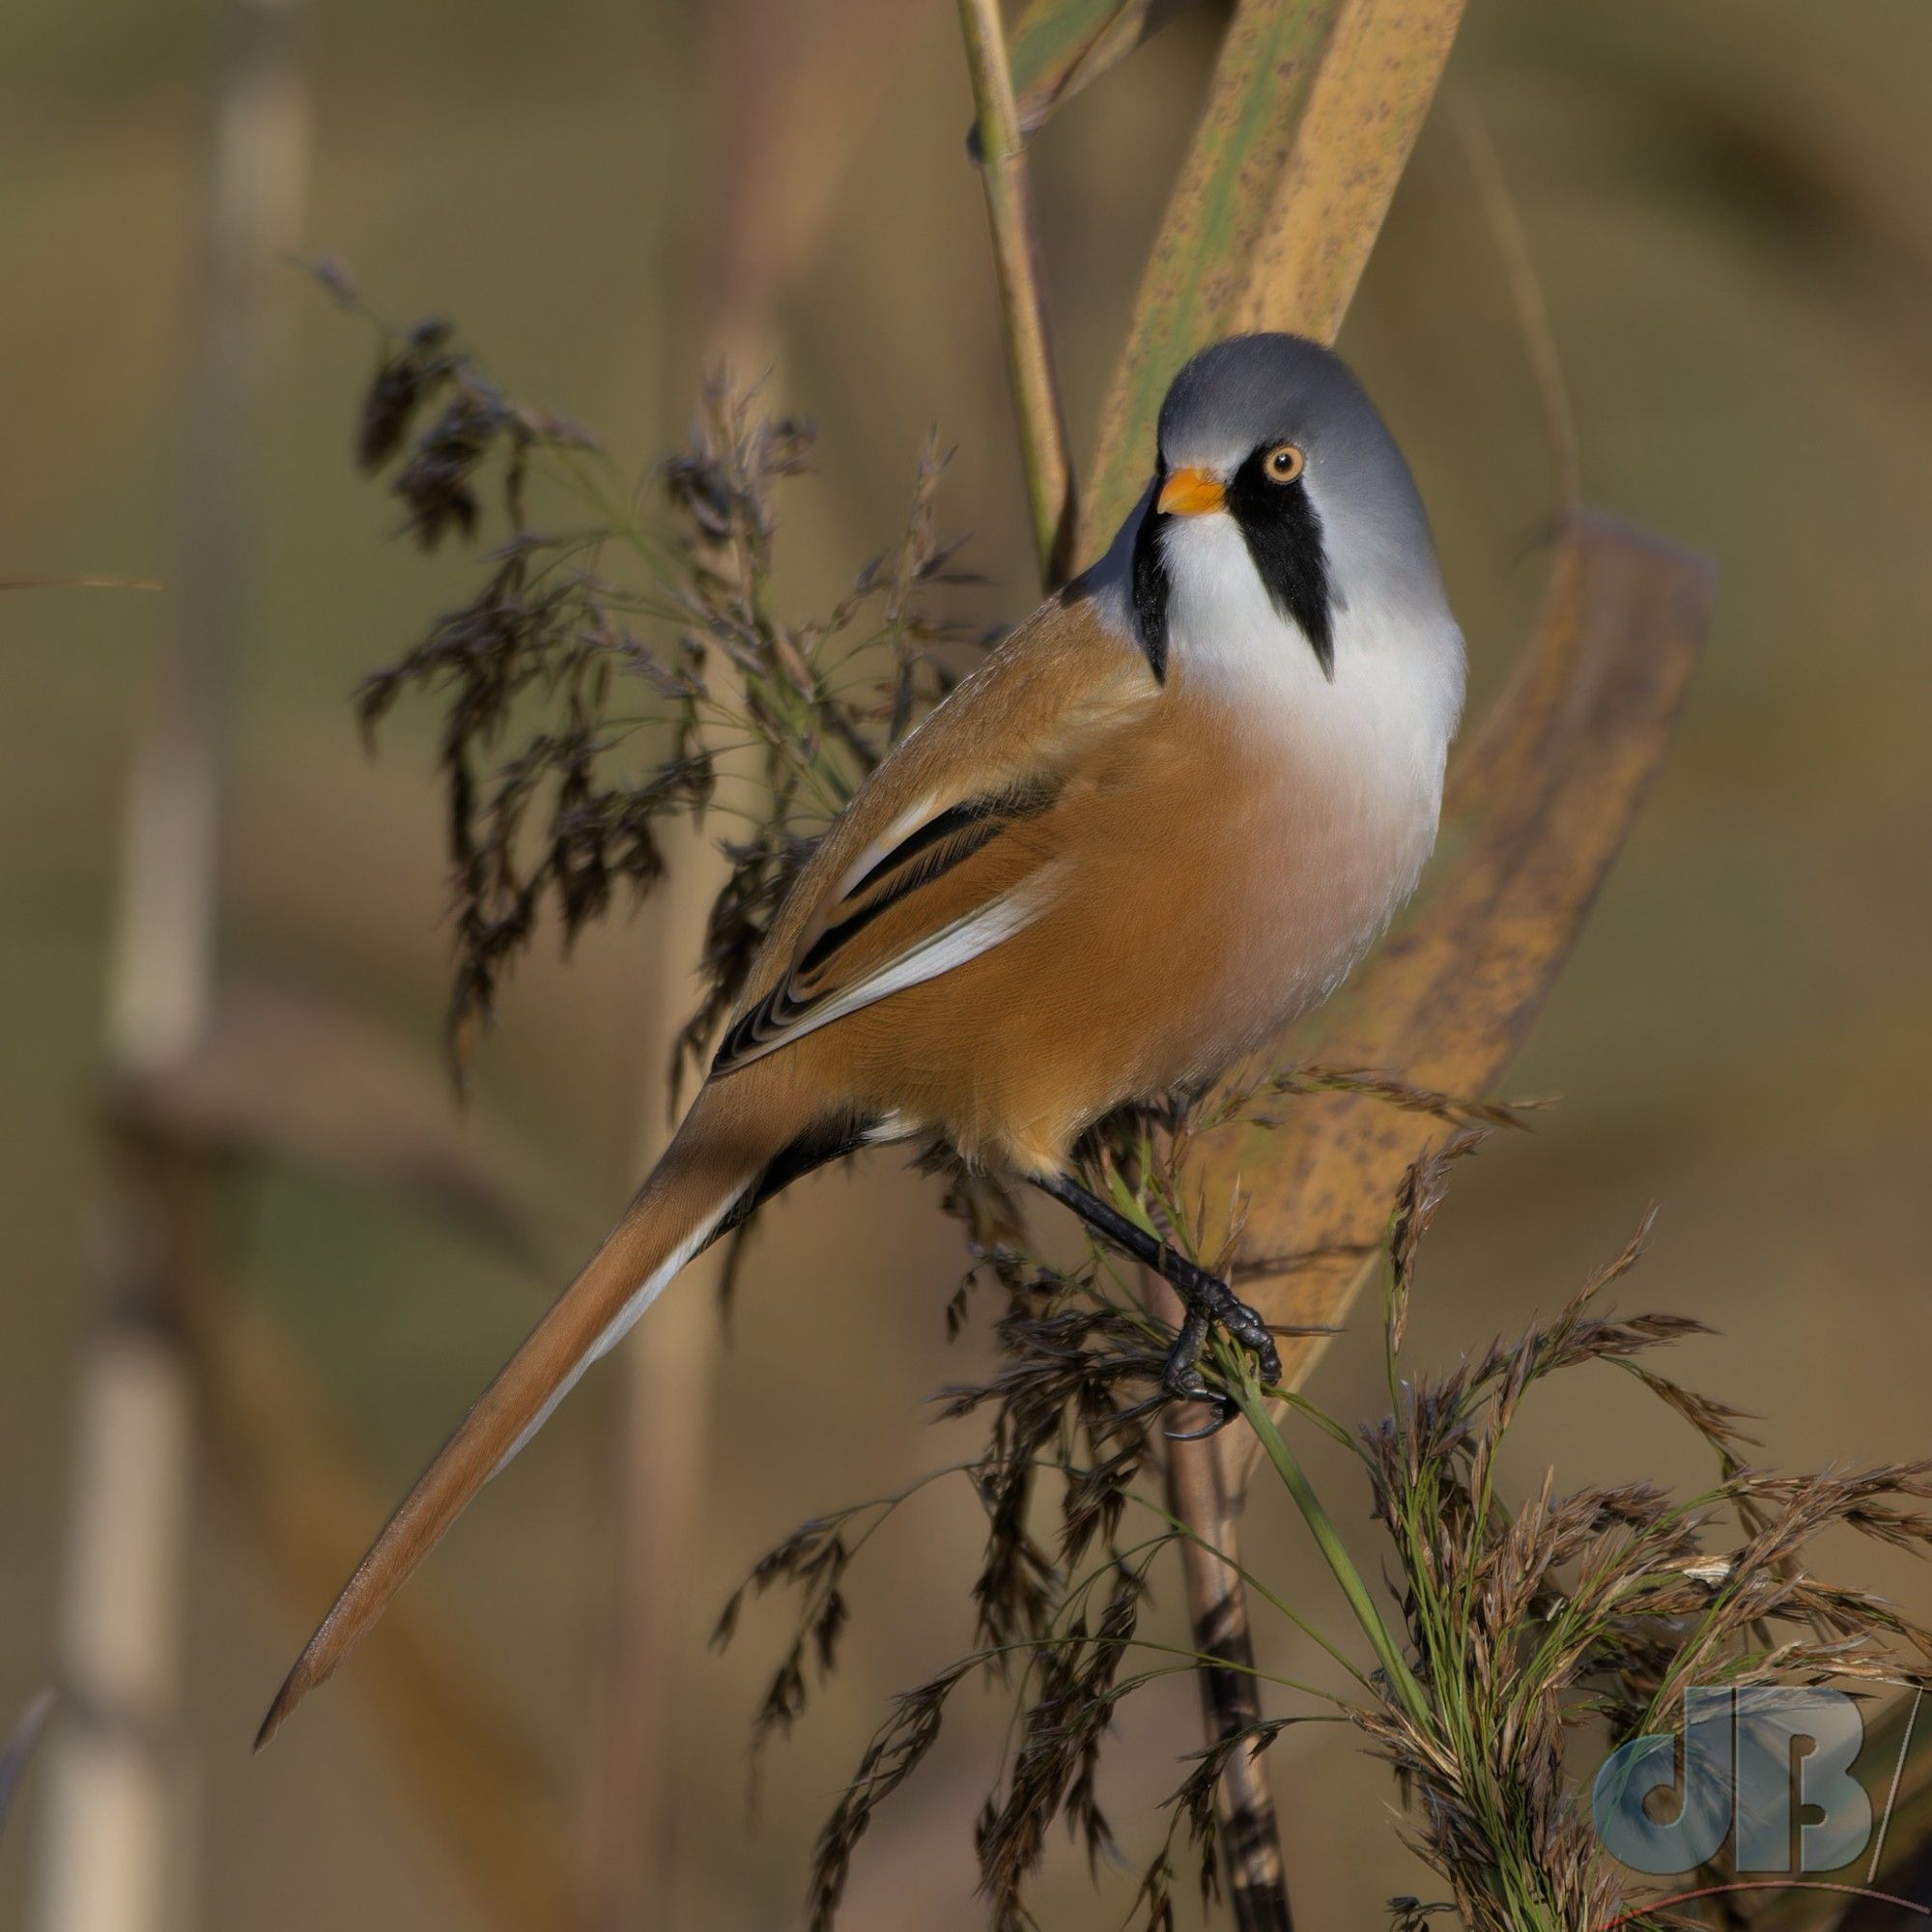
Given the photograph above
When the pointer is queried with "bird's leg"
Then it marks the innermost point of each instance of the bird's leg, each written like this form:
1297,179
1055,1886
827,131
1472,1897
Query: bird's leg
1206,1297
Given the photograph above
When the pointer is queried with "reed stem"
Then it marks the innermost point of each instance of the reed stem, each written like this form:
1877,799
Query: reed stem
1003,172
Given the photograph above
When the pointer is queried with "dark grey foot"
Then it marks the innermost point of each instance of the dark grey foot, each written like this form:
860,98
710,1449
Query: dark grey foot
1208,1300
1218,1301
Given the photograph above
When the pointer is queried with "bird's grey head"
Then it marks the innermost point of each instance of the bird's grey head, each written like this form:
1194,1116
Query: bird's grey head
1274,432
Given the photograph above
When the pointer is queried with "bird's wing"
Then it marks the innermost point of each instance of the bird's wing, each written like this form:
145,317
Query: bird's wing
954,845
947,884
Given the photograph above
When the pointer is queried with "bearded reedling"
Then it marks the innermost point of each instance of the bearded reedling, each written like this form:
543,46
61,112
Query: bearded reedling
1159,824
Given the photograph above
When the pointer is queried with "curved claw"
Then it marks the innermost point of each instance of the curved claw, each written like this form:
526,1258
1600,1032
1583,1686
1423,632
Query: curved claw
1180,1381
1225,1411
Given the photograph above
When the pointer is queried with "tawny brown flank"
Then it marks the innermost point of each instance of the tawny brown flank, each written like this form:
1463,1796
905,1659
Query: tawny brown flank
1158,824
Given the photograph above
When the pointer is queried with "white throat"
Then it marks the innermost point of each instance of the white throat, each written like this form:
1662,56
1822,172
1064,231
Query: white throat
1398,669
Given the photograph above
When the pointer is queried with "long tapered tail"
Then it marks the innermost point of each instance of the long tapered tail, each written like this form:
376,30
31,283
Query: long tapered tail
720,1157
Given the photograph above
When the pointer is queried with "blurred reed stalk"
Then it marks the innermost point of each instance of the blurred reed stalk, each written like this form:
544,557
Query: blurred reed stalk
665,1388
788,129
116,1855
658,1493
199,1068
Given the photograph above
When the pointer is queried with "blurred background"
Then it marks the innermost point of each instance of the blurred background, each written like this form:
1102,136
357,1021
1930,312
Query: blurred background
1726,202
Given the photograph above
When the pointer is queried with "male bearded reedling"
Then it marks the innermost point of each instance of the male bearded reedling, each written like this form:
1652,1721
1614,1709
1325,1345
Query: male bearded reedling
1158,824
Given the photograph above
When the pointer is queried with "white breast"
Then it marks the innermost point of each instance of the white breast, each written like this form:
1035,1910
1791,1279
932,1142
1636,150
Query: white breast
1346,777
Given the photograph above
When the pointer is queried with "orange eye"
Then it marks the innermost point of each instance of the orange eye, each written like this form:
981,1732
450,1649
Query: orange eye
1284,463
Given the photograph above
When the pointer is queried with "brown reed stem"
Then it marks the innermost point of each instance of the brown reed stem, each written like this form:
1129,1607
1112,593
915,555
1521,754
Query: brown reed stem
1199,1494
1003,172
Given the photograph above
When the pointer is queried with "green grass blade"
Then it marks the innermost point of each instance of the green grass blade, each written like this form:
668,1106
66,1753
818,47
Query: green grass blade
1327,1539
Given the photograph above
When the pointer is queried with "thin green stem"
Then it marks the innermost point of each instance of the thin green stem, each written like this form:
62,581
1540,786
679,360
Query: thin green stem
1247,1393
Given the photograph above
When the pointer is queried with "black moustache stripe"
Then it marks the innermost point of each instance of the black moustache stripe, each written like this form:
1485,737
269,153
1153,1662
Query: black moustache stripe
1283,530
1151,585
